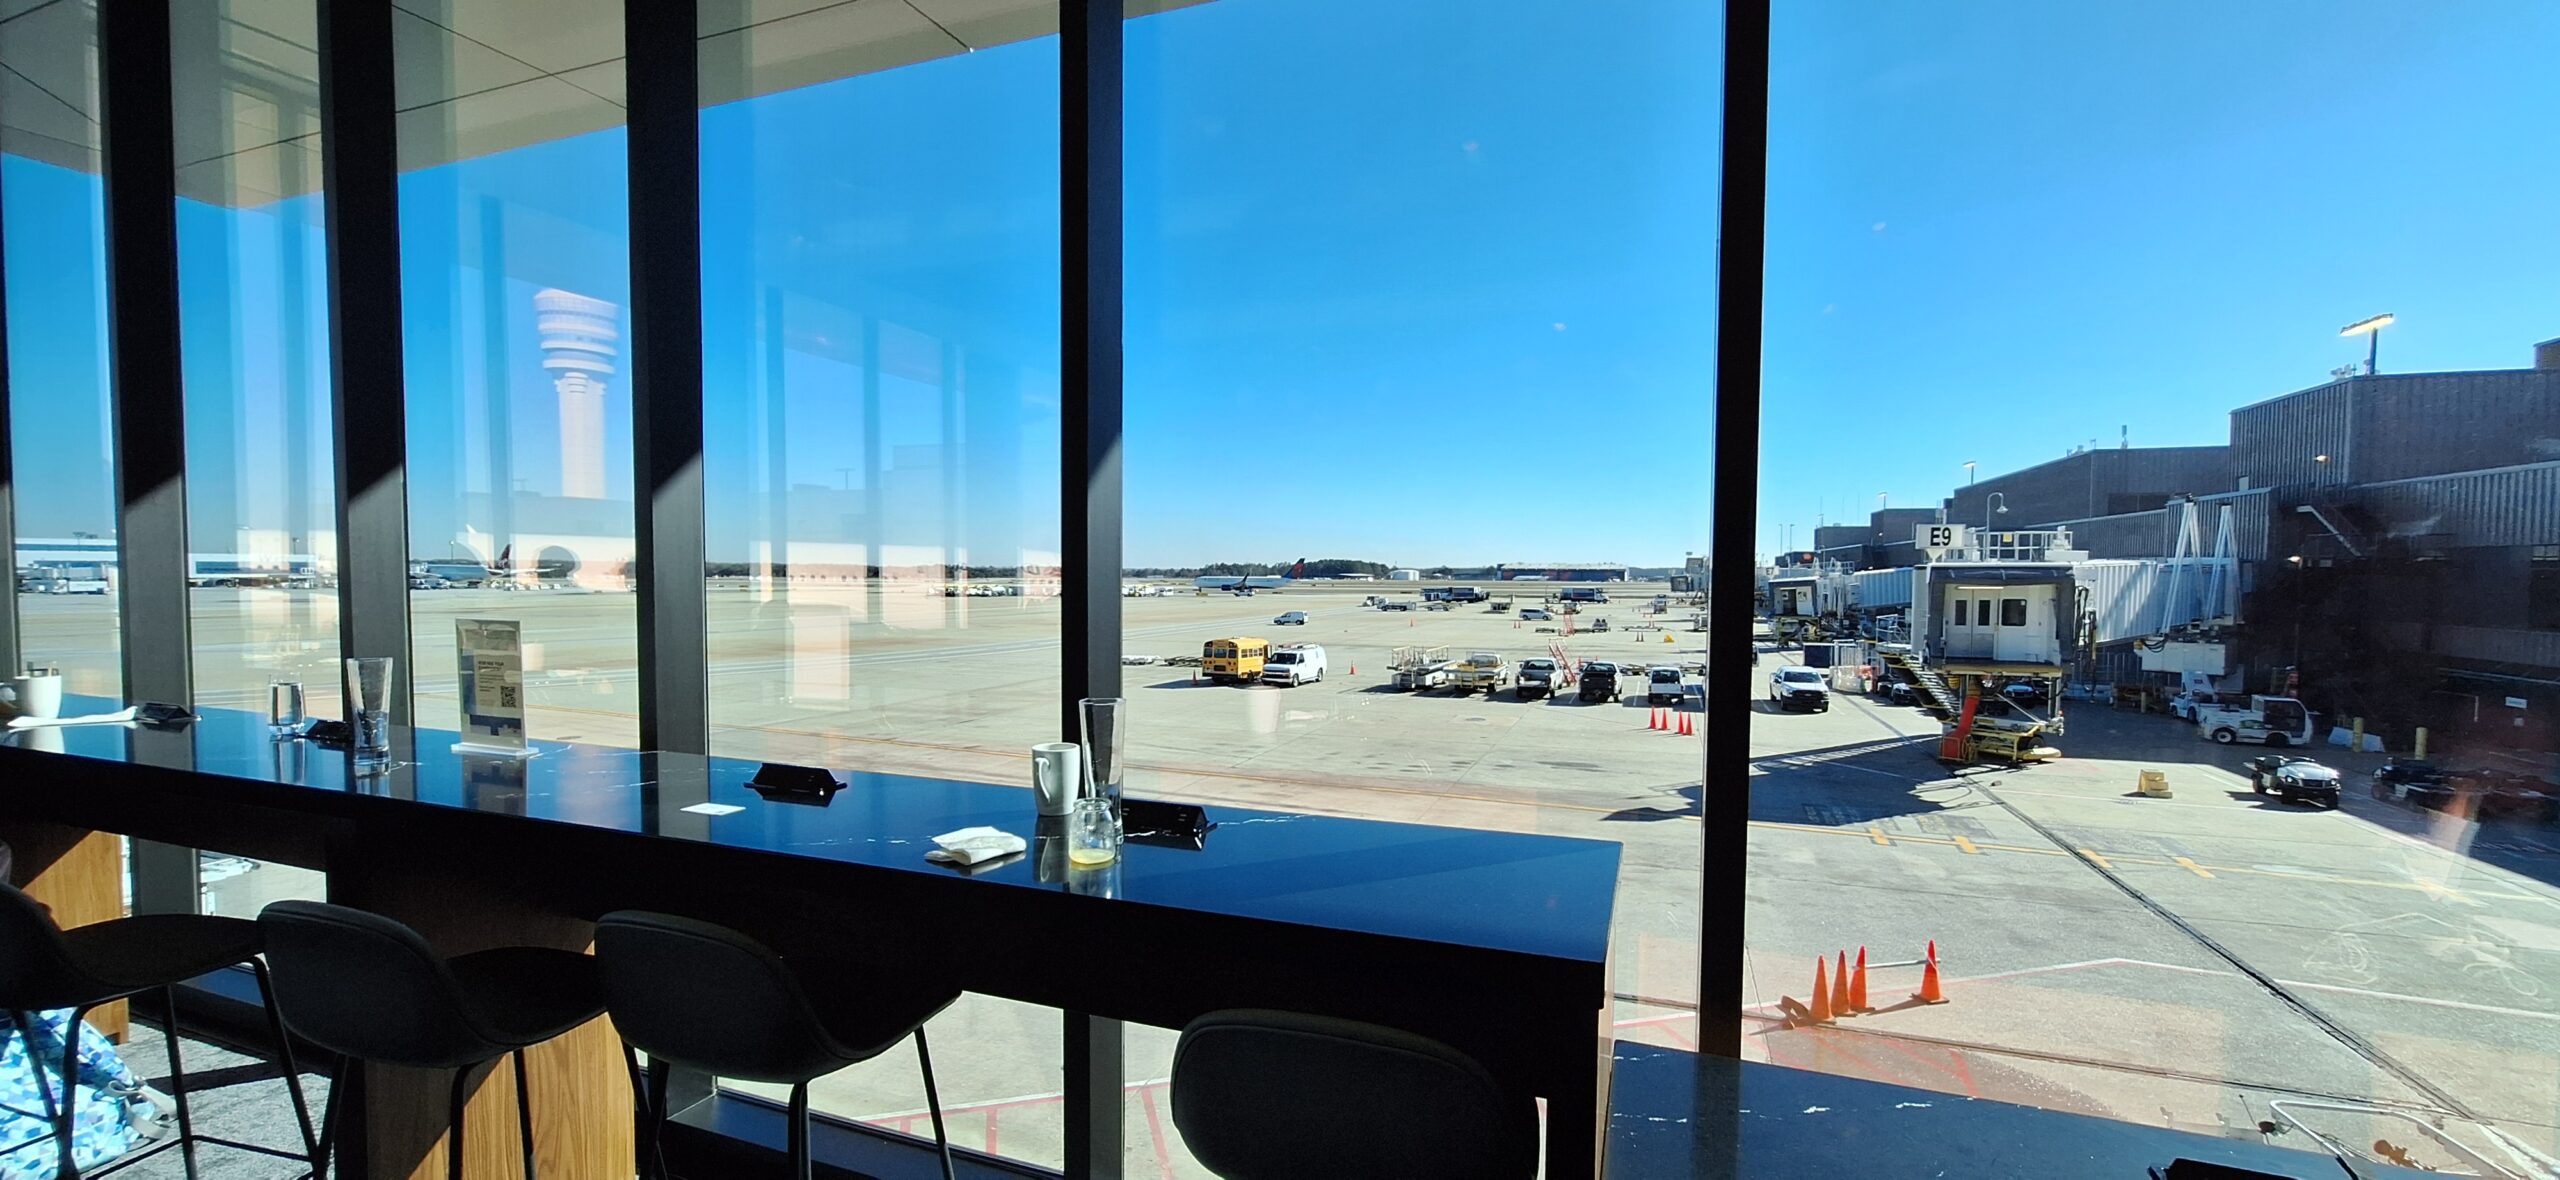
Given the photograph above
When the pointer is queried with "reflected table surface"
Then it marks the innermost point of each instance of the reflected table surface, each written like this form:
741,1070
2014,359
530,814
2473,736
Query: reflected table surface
1542,895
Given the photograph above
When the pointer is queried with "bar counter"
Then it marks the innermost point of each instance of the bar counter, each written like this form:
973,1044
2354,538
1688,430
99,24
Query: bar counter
1495,942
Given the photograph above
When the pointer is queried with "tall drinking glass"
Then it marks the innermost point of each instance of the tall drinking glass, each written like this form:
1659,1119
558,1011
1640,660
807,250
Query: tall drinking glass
1106,747
369,687
284,706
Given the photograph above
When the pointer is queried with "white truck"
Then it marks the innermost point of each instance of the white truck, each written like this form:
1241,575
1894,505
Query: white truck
1293,664
2270,721
1663,686
1481,669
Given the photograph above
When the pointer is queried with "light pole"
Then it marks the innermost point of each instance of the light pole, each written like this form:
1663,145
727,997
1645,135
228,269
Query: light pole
1968,473
2371,330
1987,509
1879,501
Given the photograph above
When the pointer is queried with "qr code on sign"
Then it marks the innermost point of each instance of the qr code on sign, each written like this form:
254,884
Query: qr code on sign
507,696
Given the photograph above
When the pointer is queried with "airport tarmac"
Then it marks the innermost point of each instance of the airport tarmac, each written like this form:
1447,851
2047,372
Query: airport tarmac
2185,961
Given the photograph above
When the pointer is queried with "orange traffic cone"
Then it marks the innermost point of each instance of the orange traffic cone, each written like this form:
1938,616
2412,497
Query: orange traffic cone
1687,728
1821,991
1653,719
1355,669
1858,985
1930,992
1841,973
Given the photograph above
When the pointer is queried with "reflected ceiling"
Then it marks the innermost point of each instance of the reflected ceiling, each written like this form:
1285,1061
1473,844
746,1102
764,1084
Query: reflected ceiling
475,76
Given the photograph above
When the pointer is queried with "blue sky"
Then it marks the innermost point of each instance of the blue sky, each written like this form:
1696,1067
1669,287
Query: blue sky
1438,292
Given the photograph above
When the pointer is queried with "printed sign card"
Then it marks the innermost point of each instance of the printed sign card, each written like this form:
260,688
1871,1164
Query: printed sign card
489,653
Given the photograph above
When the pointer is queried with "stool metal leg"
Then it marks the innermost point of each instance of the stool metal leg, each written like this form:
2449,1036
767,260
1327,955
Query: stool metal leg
338,1082
933,1101
800,1131
524,1115
460,1098
284,1055
659,1072
177,1080
65,1120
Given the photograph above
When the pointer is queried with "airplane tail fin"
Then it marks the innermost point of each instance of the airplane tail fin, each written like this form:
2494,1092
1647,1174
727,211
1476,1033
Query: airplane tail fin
505,557
1298,570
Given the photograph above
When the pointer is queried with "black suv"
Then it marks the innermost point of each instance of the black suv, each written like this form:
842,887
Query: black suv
1599,682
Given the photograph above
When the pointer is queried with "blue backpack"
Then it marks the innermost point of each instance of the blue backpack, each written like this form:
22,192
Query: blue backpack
116,1111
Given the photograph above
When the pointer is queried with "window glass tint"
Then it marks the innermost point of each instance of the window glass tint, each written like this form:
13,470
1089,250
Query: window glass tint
515,264
253,334
881,443
1386,322
61,443
2254,486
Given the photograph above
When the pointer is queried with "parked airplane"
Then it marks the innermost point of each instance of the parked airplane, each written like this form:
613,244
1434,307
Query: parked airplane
467,571
1244,585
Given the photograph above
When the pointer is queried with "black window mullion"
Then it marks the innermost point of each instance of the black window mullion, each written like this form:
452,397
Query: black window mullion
359,161
663,83
1089,196
1725,800
138,162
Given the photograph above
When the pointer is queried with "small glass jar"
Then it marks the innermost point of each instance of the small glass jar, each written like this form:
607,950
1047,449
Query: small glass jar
1093,833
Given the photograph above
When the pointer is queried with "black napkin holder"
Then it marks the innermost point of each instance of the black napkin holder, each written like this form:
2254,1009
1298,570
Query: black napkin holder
1159,824
333,734
781,782
162,716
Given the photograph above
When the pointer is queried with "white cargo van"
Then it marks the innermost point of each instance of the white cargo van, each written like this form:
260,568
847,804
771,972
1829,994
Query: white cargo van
1294,664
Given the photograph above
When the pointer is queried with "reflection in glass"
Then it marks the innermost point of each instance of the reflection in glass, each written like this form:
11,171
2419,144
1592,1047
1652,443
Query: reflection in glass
60,440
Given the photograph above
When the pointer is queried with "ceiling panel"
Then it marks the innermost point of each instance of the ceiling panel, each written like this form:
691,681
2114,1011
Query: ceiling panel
473,77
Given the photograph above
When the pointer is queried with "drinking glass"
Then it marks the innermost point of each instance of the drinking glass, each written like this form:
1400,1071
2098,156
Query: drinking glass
1093,834
1106,746
369,686
284,706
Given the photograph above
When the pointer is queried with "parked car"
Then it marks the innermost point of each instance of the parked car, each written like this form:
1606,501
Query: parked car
2025,695
1797,687
1292,618
1662,685
2292,778
1539,677
1294,664
1536,614
1599,682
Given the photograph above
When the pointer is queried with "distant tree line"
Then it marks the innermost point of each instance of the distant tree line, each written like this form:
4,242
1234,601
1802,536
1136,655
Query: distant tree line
1330,567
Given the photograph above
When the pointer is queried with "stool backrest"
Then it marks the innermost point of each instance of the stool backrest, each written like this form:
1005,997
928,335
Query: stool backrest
36,970
363,985
709,998
1259,1093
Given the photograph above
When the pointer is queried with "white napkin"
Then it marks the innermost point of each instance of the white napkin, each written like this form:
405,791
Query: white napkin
116,718
970,846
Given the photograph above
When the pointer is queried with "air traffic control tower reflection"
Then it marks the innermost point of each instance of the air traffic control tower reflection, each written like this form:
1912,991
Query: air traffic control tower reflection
579,338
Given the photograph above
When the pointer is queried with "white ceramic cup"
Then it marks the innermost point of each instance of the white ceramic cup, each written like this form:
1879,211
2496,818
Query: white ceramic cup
39,695
1057,773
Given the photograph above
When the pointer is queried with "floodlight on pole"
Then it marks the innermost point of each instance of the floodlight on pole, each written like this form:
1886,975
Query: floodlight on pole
1988,508
2371,330
1968,473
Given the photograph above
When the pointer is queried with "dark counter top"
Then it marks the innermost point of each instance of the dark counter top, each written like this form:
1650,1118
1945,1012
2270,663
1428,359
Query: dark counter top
1548,896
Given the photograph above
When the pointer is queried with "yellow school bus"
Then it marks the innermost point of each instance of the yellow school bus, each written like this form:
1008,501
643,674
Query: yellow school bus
1237,660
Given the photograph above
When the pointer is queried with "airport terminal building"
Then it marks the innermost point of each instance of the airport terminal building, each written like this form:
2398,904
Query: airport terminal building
1562,571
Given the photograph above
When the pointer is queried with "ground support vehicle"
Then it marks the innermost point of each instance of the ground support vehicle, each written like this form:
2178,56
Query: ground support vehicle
2292,778
1234,661
1419,669
1480,670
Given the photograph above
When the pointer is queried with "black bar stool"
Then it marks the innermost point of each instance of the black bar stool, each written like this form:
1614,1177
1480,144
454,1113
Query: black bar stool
708,998
44,967
368,989
1259,1094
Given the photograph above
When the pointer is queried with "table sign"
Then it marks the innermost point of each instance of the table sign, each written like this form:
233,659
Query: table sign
489,654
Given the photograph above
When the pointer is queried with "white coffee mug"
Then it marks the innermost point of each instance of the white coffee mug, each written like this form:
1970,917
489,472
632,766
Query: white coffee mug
39,695
1057,772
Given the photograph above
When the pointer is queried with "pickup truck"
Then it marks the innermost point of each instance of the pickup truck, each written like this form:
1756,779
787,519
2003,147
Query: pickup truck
1539,676
1481,669
1794,686
1598,683
1662,685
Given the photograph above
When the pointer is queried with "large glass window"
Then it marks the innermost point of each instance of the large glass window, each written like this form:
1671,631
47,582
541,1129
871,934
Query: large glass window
253,324
515,264
881,437
1429,307
2269,601
61,437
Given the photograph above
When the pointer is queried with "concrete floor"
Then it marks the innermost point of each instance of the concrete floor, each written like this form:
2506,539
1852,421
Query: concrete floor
2182,961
